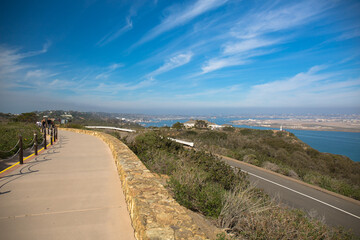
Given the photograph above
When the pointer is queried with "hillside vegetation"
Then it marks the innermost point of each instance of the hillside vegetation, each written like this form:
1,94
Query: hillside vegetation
281,152
203,183
9,136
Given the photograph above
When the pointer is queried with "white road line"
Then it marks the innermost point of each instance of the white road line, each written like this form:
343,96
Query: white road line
353,215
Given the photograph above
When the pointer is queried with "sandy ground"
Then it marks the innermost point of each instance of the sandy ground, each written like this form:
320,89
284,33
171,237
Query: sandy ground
348,125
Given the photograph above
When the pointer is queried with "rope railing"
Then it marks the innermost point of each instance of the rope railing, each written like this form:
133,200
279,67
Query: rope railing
9,158
32,146
12,148
31,143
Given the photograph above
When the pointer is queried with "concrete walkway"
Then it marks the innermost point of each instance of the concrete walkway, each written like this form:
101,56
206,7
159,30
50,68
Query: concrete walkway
72,191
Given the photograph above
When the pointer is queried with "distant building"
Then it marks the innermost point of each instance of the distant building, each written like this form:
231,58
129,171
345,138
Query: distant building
65,118
212,126
190,124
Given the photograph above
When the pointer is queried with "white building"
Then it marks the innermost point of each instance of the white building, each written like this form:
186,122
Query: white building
212,126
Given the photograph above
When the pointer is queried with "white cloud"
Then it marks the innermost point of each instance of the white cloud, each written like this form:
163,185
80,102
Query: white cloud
233,60
108,70
39,74
279,18
118,87
249,44
181,17
250,33
10,61
300,80
211,92
115,66
173,62
218,63
115,34
10,58
311,88
354,33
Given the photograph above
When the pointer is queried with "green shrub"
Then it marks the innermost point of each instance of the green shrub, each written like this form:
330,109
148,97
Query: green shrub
193,190
197,179
9,136
228,129
30,117
213,136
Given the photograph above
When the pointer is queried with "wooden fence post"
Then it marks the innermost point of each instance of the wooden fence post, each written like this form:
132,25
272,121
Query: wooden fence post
45,139
51,136
21,153
35,144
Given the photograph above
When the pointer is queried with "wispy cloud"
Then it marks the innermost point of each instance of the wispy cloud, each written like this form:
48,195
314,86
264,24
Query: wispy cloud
279,18
300,80
115,34
353,33
247,45
253,32
313,87
174,62
118,87
218,63
210,92
10,58
39,74
181,16
108,70
235,57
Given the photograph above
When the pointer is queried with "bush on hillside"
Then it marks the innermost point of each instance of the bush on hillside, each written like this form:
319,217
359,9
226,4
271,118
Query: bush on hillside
9,136
30,117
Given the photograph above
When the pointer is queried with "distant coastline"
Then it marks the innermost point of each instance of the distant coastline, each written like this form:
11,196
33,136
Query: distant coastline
348,125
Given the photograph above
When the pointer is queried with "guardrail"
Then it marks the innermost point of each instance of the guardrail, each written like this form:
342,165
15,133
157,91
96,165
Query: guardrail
190,144
112,128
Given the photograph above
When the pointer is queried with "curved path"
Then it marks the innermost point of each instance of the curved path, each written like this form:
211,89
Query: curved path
71,191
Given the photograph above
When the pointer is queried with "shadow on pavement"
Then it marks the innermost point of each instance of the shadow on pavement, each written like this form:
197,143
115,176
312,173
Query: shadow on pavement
27,167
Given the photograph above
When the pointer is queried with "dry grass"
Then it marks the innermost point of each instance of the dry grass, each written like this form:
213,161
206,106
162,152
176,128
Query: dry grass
249,214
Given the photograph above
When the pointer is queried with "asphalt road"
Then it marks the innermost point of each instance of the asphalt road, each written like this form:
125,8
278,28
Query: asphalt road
335,210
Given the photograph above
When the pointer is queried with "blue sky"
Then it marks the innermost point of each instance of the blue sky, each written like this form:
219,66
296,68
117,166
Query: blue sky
179,56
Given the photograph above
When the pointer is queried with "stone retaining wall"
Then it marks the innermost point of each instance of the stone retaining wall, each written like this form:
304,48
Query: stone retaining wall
154,213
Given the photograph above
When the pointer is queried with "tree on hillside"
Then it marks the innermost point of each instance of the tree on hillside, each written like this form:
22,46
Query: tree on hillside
201,124
178,126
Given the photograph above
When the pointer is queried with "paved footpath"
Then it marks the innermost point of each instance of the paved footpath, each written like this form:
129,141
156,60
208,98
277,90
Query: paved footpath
71,191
